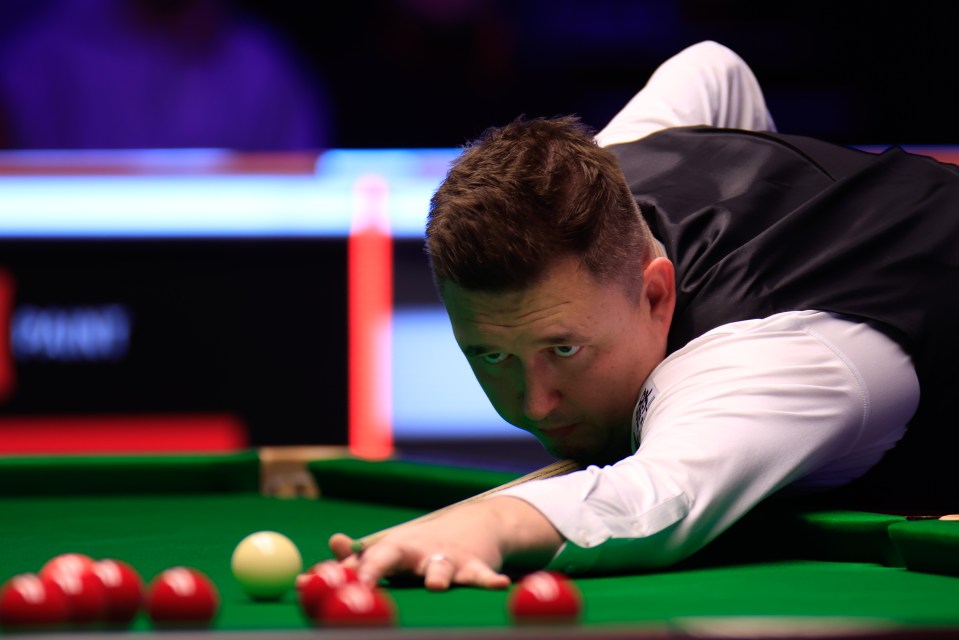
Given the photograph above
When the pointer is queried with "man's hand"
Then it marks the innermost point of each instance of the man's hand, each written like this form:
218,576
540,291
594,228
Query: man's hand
466,545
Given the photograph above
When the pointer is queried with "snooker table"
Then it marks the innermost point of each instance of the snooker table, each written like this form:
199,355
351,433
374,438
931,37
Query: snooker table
782,572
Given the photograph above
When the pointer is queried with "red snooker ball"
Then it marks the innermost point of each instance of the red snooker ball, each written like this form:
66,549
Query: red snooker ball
67,562
545,597
320,581
333,570
124,590
27,602
85,593
182,597
357,605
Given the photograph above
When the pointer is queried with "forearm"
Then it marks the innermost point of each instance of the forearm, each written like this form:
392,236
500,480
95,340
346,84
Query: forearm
527,537
467,544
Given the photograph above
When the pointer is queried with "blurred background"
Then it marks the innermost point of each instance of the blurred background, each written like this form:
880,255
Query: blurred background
182,183
434,73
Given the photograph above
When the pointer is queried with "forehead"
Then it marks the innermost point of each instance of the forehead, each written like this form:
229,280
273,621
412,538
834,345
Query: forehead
509,309
567,295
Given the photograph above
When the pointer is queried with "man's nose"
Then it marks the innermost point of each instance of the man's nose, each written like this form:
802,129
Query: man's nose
540,394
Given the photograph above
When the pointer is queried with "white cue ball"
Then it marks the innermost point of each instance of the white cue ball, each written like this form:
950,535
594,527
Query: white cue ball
266,564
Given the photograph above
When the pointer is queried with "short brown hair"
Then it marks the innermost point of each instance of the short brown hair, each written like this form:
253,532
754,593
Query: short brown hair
524,195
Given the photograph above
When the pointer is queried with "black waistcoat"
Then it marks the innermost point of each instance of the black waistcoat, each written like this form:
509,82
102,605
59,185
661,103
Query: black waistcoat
759,223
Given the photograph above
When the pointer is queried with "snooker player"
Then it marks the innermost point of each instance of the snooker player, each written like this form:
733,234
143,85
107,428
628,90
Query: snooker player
702,310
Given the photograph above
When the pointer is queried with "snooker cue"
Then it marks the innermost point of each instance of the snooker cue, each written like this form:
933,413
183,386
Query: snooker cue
558,468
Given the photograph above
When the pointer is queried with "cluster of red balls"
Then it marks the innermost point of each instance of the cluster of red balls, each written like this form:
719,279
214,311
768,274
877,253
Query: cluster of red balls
331,595
75,591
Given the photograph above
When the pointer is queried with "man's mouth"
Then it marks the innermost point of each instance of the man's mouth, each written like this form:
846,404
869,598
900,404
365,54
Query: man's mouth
559,432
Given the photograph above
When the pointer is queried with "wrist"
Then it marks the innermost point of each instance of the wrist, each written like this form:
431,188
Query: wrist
526,536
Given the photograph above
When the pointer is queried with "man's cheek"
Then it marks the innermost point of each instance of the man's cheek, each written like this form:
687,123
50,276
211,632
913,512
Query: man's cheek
500,396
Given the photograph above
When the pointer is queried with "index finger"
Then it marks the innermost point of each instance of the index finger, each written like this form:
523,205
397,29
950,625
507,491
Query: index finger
381,561
342,546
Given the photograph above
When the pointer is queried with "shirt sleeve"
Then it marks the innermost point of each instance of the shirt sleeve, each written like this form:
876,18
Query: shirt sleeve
801,398
705,84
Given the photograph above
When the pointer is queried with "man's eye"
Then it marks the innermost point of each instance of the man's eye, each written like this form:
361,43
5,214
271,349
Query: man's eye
494,358
566,351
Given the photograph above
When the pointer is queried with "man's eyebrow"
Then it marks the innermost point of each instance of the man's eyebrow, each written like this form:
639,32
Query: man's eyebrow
561,339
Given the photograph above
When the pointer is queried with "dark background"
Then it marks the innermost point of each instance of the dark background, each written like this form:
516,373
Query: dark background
435,73
253,327
852,71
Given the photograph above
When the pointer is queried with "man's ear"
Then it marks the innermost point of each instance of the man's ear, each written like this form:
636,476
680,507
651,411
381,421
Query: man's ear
659,291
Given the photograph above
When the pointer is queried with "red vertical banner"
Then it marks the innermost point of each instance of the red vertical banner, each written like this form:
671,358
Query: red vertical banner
7,371
370,304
